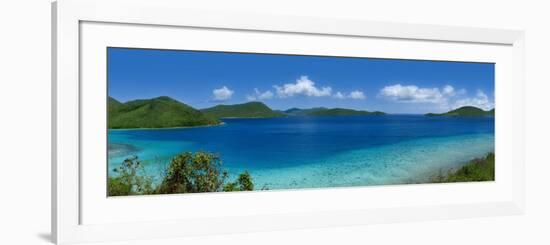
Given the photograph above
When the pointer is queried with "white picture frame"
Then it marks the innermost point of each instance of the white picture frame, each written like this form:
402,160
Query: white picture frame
69,198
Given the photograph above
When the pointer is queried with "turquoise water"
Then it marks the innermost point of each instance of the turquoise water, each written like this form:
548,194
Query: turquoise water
304,152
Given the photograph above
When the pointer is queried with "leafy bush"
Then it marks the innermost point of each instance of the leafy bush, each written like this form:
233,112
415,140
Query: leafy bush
200,172
131,179
118,187
186,173
190,173
245,182
480,169
231,186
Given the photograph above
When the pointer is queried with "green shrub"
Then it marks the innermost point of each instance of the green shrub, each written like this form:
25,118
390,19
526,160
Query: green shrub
187,173
190,173
231,186
130,179
118,187
480,169
245,182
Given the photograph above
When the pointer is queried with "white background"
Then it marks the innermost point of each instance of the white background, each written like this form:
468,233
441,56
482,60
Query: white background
25,122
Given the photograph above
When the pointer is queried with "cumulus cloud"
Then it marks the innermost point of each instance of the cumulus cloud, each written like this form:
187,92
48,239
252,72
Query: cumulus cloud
302,86
260,95
222,93
357,95
448,90
339,95
444,98
481,100
414,94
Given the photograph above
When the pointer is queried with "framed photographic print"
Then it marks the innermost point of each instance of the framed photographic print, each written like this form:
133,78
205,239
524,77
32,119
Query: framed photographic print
206,121
173,122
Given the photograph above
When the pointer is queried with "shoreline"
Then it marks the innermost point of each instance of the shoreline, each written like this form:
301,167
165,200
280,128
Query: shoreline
249,117
179,127
474,170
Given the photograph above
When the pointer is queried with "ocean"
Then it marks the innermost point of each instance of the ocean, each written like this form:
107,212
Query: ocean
315,152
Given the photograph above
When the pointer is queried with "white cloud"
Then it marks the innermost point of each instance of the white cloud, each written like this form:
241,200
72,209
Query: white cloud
445,98
302,86
357,95
222,93
480,100
414,94
448,90
260,95
339,95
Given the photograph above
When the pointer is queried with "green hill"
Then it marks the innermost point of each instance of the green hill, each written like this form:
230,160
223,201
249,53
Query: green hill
303,112
160,112
466,111
113,105
246,110
322,111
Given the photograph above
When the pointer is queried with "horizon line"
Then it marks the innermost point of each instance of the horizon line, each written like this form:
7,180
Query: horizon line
256,101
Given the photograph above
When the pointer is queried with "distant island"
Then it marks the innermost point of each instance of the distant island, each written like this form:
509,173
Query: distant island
160,112
245,110
322,111
465,111
165,112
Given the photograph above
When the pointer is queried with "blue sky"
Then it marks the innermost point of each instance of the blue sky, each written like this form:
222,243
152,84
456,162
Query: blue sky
204,79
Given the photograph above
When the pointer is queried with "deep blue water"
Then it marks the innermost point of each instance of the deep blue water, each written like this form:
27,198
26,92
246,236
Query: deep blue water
296,152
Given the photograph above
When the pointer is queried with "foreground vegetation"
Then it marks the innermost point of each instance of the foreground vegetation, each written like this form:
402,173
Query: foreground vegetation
465,111
480,169
202,172
186,173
